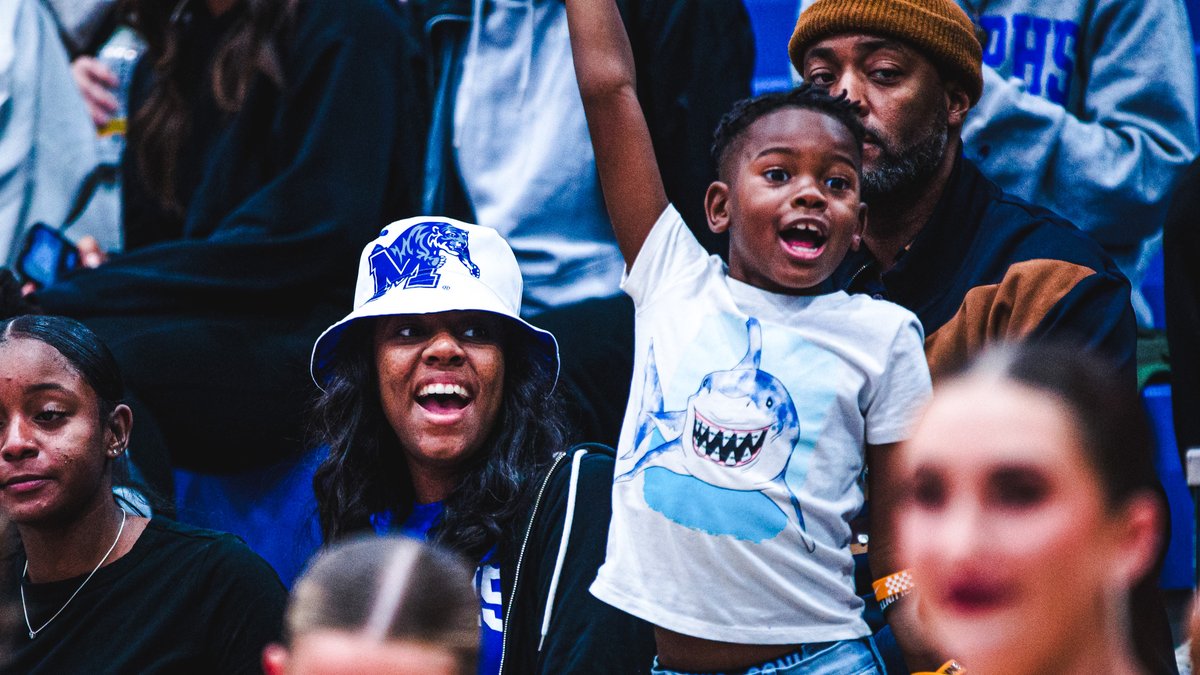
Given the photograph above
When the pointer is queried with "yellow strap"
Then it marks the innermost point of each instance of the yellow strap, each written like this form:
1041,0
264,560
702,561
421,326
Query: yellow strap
892,587
113,126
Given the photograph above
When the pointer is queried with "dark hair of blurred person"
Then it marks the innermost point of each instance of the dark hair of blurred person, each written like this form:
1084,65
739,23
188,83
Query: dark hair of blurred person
380,605
248,50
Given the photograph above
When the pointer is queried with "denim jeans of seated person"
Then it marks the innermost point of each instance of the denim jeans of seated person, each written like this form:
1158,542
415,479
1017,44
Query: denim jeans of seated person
845,657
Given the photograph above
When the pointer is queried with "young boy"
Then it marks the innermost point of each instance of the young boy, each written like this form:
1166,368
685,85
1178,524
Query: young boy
757,391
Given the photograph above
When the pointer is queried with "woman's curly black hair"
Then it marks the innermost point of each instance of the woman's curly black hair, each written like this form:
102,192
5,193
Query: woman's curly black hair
365,472
806,96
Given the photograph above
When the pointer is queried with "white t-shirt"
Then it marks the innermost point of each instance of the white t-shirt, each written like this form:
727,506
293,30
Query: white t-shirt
747,540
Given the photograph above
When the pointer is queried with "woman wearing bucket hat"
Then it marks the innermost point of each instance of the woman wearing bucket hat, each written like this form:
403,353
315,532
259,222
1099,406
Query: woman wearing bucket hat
438,412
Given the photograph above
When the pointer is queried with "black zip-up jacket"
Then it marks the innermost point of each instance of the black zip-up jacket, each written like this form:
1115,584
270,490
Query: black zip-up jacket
584,635
212,313
693,59
990,267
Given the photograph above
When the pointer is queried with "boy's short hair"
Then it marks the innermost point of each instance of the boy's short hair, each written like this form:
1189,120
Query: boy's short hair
806,96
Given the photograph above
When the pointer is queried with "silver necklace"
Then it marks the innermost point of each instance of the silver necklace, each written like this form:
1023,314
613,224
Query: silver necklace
25,610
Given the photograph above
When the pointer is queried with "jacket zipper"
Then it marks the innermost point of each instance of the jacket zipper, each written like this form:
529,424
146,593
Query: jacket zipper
521,555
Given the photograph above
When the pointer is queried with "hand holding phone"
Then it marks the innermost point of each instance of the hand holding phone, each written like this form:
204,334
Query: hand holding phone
46,255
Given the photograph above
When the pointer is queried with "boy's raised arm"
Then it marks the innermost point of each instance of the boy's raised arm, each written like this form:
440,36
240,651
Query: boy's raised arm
629,175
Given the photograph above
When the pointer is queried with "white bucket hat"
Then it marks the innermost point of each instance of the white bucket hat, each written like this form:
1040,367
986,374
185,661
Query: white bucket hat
426,265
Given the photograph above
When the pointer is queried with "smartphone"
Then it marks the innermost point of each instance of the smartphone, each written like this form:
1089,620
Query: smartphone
46,255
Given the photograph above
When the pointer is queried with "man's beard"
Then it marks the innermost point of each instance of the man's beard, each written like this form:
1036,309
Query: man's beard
901,176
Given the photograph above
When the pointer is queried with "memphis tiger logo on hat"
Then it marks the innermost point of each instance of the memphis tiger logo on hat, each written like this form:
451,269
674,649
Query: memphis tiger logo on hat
414,258
426,265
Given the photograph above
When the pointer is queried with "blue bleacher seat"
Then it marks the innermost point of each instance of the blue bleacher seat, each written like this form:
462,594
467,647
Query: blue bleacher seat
273,509
1179,568
772,22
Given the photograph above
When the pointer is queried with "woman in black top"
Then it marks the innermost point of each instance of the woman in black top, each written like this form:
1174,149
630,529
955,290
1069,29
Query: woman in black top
101,589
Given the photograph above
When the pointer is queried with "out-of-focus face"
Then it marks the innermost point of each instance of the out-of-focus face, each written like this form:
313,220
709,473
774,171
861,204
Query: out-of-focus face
906,107
441,384
336,653
1008,534
53,444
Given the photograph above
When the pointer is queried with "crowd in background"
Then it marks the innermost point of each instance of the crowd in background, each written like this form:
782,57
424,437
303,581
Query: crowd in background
561,256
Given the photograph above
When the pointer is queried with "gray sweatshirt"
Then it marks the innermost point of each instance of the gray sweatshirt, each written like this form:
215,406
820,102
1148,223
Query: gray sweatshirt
47,141
1089,109
525,154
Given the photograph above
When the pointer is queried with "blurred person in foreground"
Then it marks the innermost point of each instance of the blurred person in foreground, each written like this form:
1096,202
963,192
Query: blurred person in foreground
1031,512
376,606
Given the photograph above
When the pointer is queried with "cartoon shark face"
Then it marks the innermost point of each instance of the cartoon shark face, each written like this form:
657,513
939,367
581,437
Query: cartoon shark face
740,429
738,432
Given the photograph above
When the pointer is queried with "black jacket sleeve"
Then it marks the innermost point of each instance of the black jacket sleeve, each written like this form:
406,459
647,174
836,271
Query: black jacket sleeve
1181,250
334,171
1097,313
585,635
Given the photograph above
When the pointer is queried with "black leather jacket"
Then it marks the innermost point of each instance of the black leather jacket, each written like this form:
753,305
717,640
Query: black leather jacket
581,634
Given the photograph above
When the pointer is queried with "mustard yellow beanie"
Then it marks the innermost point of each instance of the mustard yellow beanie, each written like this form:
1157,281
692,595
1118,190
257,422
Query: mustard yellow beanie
940,29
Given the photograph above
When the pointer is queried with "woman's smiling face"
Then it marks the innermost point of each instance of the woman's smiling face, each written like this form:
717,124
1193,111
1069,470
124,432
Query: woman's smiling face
441,385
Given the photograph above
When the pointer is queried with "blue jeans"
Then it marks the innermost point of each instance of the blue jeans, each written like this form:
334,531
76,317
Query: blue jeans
846,657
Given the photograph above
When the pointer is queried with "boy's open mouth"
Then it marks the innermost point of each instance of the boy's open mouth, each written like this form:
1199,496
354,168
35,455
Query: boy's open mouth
443,398
803,238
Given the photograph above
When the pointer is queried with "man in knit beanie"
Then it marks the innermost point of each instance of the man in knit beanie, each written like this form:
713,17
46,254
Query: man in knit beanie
975,264
901,154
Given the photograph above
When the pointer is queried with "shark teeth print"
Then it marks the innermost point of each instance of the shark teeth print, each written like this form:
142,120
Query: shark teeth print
725,446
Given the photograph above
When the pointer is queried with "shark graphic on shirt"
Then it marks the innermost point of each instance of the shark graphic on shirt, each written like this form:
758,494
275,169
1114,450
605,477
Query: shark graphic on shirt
737,433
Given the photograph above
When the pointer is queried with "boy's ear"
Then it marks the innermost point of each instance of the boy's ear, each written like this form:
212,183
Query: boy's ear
861,228
716,206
